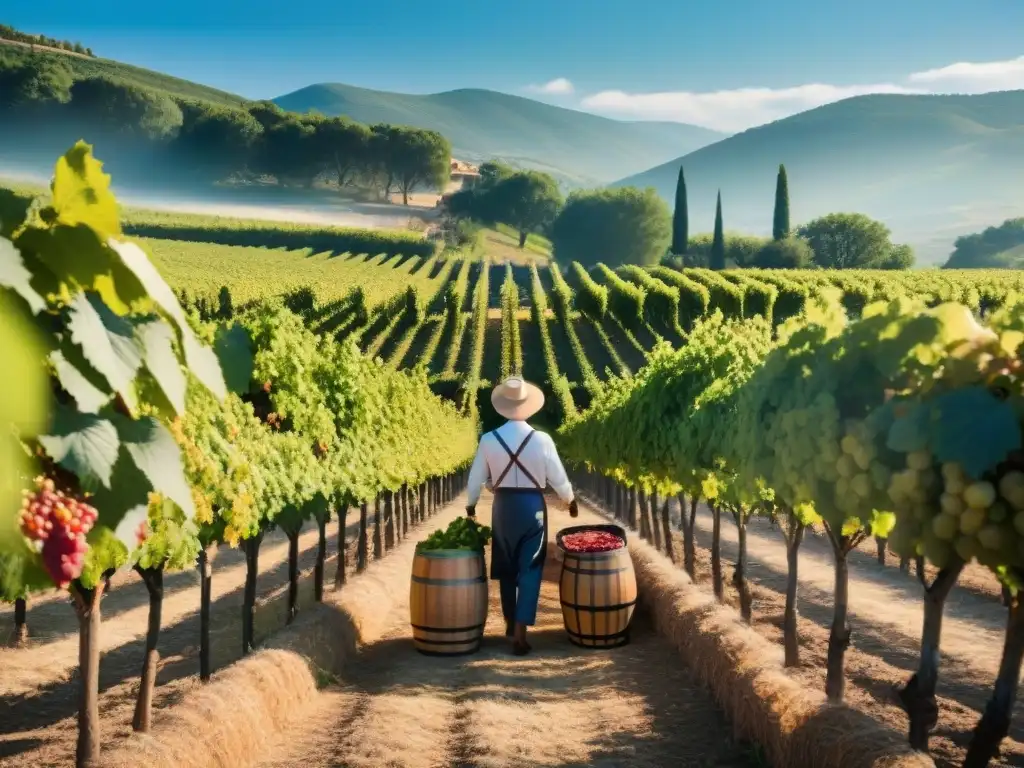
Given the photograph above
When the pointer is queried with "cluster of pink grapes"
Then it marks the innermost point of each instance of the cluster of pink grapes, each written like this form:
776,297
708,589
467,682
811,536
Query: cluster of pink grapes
57,525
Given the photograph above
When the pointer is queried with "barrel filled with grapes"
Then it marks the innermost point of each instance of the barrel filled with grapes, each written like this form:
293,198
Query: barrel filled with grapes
598,585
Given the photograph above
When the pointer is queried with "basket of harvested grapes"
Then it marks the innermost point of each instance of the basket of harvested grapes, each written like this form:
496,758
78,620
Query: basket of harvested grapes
598,586
448,592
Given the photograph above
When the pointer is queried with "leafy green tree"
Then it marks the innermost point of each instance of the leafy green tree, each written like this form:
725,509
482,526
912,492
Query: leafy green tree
219,140
38,81
288,151
717,257
345,146
985,250
267,114
780,222
847,241
680,218
418,159
614,226
788,253
900,257
492,172
120,109
528,201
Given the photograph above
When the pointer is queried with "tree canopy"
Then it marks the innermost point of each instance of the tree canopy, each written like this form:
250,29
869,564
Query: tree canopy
848,241
43,106
989,249
615,226
529,201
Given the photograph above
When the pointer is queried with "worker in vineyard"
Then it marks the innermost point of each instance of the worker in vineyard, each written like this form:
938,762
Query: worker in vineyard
517,462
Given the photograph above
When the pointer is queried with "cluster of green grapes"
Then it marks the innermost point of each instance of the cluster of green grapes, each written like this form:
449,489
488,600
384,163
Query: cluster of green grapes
949,512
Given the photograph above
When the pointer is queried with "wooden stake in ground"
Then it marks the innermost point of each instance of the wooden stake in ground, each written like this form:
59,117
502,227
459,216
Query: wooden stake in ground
839,635
321,556
153,578
205,594
739,578
716,552
339,573
20,623
666,526
87,607
362,543
795,528
995,722
918,695
689,543
252,570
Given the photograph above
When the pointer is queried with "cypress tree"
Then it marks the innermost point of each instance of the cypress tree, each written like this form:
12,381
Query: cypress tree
717,260
780,224
680,218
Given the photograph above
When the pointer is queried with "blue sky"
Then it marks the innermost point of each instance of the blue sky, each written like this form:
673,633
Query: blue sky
642,59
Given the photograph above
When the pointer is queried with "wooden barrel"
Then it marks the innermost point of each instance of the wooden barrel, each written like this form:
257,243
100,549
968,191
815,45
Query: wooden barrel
597,591
448,601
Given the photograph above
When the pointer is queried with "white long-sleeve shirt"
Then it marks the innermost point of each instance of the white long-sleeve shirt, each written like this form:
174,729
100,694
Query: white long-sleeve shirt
539,457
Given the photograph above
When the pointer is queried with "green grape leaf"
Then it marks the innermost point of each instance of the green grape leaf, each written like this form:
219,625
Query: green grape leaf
128,491
79,379
82,443
15,276
162,362
910,431
158,457
201,360
234,350
81,193
970,426
108,342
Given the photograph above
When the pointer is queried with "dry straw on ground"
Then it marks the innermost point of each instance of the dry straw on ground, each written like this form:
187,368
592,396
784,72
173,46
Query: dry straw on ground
797,727
228,722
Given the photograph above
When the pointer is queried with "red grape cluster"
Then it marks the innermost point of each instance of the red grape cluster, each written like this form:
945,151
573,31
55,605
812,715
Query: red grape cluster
592,541
57,525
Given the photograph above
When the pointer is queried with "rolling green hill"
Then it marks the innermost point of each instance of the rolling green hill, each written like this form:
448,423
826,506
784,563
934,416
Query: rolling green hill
82,67
481,124
931,167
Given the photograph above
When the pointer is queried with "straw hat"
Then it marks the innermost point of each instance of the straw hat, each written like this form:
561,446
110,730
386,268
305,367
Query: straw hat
516,398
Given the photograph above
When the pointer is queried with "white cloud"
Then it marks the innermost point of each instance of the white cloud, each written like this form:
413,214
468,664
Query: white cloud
742,108
557,87
967,77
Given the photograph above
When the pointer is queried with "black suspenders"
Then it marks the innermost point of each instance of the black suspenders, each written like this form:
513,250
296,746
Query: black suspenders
514,461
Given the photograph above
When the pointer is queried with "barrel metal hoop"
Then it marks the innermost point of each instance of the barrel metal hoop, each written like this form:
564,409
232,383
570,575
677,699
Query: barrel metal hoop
448,582
467,652
446,630
624,634
599,608
447,642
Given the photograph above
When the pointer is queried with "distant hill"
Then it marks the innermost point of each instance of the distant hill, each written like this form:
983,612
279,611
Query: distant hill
83,66
931,167
481,124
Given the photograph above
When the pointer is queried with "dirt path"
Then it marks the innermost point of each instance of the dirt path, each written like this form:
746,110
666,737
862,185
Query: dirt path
561,706
886,614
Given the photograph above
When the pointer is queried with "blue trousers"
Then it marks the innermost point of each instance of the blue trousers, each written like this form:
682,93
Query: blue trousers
519,545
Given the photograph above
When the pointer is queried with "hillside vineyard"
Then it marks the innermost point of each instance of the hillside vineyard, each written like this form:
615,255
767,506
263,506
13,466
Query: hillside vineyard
311,395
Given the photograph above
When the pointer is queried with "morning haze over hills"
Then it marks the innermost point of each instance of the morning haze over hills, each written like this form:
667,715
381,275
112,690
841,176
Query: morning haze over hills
579,147
932,167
